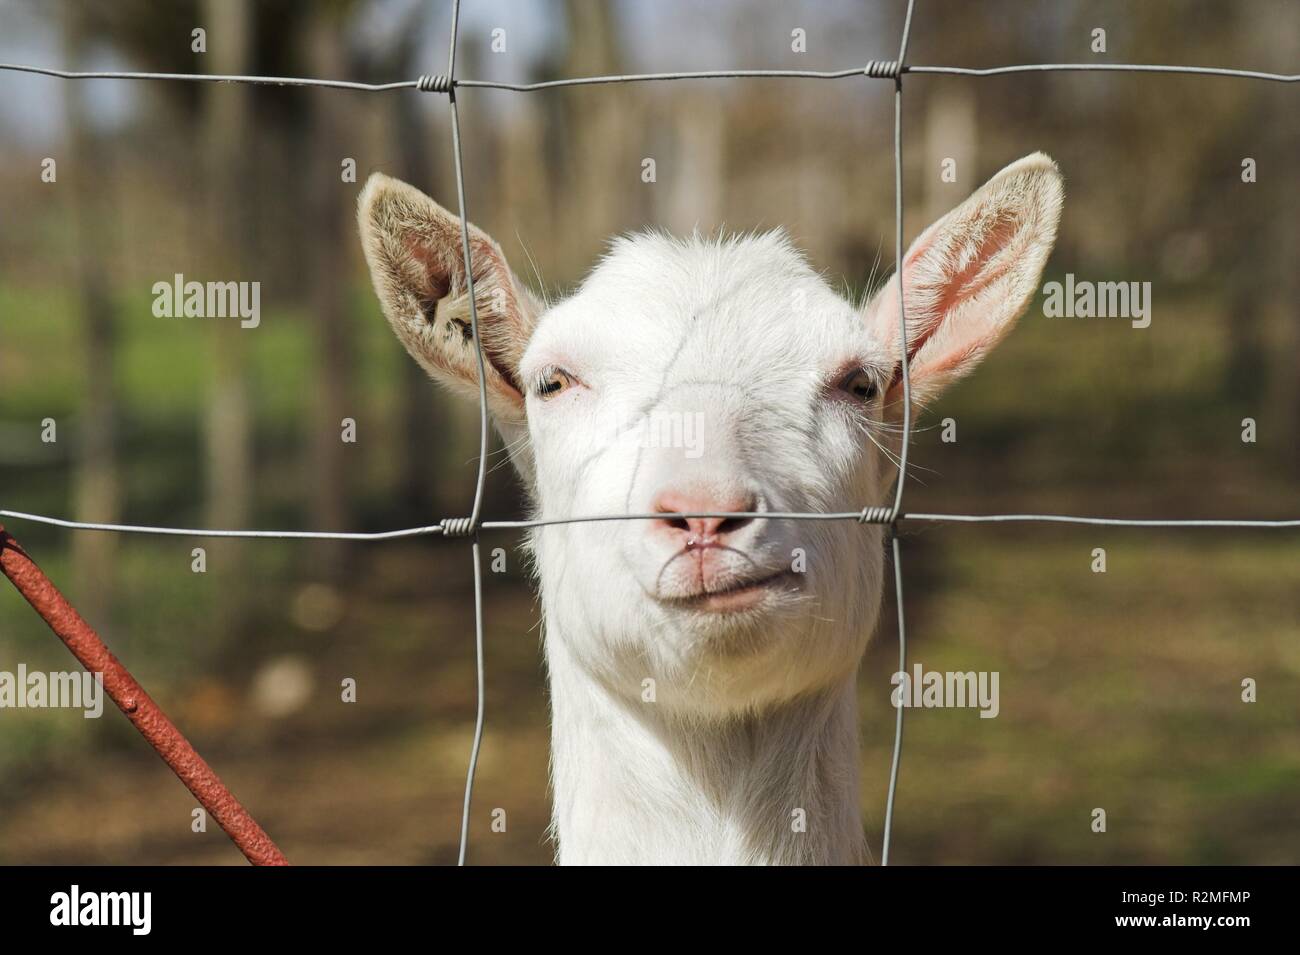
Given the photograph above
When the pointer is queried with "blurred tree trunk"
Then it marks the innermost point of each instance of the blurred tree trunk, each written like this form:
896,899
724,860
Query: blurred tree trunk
226,122
1286,358
96,490
694,194
325,234
1250,238
419,452
951,132
1285,371
524,187
604,174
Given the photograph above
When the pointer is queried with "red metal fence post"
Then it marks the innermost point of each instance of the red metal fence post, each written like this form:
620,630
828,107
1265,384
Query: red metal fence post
144,714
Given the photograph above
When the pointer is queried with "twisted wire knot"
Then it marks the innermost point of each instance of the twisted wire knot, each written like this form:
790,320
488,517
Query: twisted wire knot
876,515
433,84
882,69
457,526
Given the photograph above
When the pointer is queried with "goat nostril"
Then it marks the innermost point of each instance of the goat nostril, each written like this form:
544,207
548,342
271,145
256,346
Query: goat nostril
732,524
677,523
741,505
670,508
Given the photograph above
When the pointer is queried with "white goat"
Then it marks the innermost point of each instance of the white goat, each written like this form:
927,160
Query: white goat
702,670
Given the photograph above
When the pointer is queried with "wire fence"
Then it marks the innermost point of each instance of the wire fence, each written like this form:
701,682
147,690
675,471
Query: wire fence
891,516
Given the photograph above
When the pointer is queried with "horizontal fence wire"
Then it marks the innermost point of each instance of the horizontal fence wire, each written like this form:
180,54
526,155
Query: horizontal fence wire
441,84
505,525
470,526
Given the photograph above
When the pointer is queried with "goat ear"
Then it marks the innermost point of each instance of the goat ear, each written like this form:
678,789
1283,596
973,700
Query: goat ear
969,276
414,250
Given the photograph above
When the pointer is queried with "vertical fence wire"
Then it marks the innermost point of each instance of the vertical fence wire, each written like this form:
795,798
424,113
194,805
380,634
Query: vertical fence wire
894,762
480,677
904,357
886,839
479,709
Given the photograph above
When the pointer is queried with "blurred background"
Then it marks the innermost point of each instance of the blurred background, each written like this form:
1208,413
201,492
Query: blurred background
1119,690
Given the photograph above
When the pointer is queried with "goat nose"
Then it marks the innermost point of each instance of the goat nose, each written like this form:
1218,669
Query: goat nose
702,531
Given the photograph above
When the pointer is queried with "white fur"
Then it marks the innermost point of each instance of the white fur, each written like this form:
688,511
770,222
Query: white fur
754,719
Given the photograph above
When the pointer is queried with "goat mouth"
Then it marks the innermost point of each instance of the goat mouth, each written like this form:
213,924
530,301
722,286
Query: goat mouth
733,597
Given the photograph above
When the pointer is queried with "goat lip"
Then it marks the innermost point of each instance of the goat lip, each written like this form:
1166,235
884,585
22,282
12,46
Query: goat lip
735,596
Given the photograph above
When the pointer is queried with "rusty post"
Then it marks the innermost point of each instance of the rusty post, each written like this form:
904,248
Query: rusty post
144,714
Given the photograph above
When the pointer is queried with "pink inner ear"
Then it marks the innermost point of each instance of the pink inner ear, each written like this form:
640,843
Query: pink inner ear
984,268
939,280
950,361
961,272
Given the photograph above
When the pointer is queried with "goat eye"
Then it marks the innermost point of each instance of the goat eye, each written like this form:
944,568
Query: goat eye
860,384
552,381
